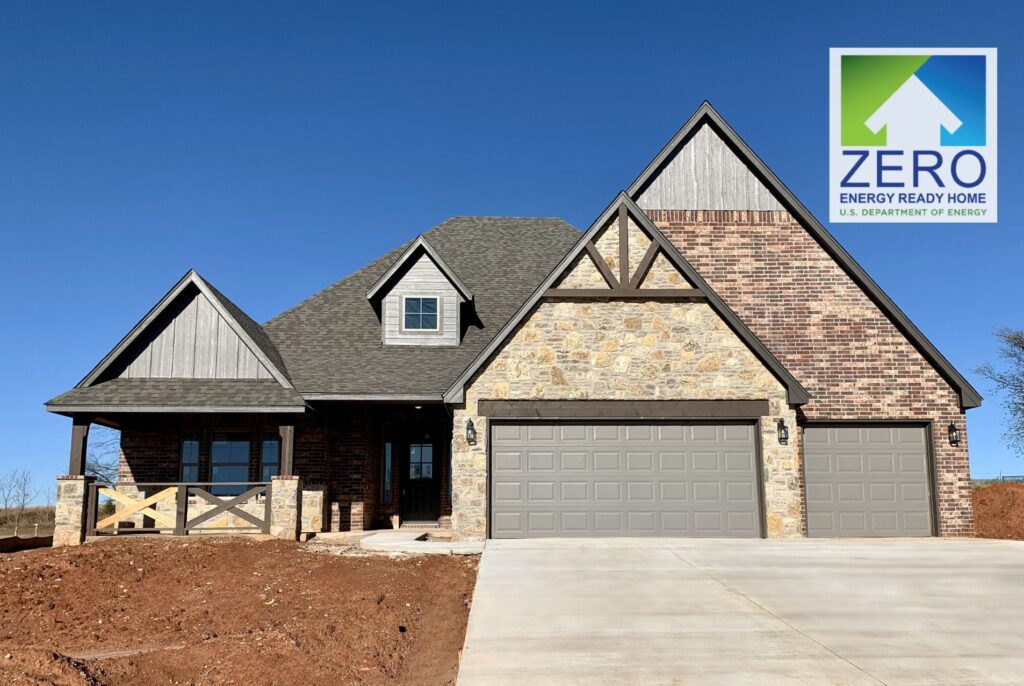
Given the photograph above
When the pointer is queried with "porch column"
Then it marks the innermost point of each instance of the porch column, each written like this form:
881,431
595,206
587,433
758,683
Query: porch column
79,445
71,510
286,507
287,433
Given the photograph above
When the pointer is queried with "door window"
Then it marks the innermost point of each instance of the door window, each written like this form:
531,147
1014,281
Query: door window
421,461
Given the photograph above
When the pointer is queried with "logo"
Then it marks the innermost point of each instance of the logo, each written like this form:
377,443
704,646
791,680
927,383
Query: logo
912,135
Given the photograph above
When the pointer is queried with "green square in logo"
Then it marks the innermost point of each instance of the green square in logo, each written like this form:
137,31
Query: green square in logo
867,82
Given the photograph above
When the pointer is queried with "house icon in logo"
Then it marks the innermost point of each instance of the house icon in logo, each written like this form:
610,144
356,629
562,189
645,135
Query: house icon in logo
913,117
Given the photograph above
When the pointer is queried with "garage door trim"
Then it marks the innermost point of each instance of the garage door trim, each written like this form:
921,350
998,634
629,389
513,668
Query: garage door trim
762,514
929,451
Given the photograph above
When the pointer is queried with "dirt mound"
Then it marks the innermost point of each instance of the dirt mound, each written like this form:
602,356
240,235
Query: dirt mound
229,610
999,511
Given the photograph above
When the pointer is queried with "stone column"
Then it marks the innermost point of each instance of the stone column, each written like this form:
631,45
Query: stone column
71,510
286,507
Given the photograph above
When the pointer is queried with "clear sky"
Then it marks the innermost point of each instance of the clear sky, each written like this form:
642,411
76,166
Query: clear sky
276,147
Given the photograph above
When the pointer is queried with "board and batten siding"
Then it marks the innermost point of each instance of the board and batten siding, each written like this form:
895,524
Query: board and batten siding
706,175
423,278
193,341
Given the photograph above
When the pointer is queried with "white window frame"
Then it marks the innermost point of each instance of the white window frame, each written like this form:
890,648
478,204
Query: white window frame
401,314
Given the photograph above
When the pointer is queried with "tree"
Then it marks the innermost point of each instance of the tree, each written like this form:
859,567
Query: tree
1009,380
103,453
18,492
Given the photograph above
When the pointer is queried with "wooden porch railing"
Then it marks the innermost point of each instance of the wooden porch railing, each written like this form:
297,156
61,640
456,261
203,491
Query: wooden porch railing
193,506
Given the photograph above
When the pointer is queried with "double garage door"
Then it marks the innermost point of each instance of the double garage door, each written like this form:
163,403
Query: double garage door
623,480
577,479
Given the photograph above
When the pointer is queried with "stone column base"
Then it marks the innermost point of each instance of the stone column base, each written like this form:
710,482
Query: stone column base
286,507
71,510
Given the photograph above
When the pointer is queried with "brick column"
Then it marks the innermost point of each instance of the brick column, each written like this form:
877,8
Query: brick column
71,510
286,507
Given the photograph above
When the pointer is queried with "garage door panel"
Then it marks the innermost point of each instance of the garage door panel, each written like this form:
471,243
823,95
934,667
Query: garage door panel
639,462
881,464
628,480
572,432
573,461
607,490
867,481
575,522
671,460
508,461
913,464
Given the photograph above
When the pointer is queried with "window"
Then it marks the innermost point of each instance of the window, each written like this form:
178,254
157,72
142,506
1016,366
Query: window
270,458
229,462
190,460
421,314
385,495
421,461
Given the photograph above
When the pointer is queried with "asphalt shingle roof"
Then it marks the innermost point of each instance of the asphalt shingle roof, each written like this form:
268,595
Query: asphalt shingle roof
234,393
331,343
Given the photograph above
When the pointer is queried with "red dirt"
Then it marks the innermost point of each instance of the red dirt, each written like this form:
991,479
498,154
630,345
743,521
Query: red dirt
229,611
999,511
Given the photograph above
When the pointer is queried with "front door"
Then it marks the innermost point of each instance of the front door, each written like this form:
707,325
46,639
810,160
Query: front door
421,492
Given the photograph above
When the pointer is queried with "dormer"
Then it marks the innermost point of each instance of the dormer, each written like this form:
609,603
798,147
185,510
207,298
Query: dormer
420,299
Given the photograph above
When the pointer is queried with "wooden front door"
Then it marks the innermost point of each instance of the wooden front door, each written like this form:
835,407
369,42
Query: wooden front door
421,483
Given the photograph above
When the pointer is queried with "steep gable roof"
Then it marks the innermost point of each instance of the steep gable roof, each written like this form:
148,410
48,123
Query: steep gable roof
417,247
248,331
706,115
332,341
797,395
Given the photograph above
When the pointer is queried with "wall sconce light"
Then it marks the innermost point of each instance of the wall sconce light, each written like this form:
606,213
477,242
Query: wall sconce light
783,433
954,435
470,432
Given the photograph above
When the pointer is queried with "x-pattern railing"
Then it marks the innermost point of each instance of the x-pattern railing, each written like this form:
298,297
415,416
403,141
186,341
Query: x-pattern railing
185,496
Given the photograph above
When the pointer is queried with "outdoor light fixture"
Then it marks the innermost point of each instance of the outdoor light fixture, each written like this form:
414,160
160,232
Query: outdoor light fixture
470,432
783,433
954,435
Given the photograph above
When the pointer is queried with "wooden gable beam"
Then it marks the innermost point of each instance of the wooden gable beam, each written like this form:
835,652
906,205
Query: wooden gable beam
601,265
645,265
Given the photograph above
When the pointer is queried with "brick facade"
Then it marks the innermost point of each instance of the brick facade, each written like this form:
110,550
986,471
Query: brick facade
851,358
338,454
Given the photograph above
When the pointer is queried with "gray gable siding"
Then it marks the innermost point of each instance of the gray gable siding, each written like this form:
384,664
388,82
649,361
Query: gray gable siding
706,175
423,278
191,341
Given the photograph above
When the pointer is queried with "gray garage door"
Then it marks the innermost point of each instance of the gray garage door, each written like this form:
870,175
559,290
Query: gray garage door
867,481
623,480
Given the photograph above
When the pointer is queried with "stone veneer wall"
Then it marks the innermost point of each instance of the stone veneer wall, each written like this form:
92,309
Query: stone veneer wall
625,350
851,358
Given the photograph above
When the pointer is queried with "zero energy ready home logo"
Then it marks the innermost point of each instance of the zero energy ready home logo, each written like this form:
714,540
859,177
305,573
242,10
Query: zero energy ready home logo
912,135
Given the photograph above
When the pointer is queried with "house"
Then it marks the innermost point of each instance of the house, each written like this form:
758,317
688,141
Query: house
704,360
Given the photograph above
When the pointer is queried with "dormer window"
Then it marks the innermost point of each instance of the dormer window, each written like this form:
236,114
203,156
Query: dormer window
420,299
419,313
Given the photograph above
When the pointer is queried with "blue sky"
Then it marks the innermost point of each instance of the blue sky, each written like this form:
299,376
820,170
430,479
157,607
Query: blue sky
276,147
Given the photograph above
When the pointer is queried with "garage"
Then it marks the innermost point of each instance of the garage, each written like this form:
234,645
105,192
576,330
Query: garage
867,481
624,479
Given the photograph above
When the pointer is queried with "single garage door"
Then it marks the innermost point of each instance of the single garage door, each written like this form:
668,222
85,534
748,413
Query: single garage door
561,479
867,481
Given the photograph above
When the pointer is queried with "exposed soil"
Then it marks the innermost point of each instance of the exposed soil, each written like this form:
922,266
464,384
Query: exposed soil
999,511
230,611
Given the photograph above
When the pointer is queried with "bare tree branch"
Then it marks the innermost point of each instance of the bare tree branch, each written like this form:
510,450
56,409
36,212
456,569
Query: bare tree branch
1009,381
103,453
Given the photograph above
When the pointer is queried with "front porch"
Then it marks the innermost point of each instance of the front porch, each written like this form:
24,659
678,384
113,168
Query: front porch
335,467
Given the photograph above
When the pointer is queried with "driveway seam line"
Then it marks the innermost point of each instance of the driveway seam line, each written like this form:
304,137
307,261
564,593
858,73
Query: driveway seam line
772,614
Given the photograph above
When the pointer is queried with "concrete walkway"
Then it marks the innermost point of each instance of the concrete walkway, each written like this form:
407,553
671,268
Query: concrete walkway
685,611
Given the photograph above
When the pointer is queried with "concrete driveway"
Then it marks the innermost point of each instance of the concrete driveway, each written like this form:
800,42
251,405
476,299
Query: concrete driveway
685,611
